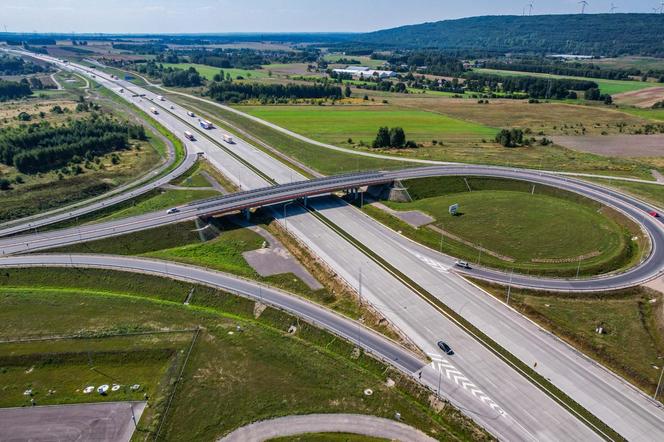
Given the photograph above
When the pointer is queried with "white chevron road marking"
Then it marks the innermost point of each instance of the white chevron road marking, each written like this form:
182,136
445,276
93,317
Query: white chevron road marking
444,366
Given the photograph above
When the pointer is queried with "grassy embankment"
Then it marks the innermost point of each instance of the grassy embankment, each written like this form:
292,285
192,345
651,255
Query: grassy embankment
241,368
182,243
632,344
511,225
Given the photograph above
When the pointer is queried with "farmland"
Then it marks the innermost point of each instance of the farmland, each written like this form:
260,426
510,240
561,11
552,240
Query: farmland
336,124
210,71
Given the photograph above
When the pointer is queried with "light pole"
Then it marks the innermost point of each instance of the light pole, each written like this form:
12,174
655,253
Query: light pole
441,239
285,222
509,287
654,396
578,268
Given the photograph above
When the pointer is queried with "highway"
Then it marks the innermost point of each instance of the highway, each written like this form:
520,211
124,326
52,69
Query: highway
487,379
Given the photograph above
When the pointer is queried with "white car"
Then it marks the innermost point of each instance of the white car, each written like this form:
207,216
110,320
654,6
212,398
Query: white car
462,264
172,210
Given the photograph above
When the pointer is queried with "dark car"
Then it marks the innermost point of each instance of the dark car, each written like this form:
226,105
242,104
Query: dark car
446,348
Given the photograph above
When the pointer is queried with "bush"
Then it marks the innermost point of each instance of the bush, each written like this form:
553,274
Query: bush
5,184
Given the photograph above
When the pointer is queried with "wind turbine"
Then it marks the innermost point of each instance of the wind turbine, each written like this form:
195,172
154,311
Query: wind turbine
583,4
530,10
613,8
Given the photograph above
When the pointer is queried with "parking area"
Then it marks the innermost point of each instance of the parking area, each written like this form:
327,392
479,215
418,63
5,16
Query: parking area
110,421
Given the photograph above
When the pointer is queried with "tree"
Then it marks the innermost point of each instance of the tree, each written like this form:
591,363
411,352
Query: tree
397,137
4,184
347,91
382,138
510,137
24,116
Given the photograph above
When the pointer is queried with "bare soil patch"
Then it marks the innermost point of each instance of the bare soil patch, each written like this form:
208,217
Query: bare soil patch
644,98
626,146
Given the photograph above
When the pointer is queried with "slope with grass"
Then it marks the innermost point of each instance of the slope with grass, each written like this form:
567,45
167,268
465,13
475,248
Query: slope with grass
511,224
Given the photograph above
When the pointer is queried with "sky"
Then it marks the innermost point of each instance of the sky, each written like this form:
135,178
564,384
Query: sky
221,16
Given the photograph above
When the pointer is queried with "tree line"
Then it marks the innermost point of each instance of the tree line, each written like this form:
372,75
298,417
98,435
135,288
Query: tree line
227,91
11,90
562,68
17,66
534,87
43,147
171,76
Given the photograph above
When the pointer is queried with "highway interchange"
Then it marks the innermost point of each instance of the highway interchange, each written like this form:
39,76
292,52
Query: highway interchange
477,381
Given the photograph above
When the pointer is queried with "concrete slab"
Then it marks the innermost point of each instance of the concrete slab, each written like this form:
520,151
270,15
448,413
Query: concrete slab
414,218
110,421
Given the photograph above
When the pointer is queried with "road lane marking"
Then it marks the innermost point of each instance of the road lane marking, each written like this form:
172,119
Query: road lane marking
444,366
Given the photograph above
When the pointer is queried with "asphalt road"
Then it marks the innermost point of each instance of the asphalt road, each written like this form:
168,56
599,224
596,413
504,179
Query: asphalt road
327,423
479,383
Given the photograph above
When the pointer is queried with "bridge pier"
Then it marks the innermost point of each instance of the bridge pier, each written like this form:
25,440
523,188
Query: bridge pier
395,191
246,213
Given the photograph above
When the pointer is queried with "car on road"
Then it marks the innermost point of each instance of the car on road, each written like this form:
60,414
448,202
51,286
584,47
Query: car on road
446,348
191,114
653,214
172,210
462,264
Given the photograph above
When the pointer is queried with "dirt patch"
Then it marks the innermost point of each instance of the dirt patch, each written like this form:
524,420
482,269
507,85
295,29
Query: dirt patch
627,146
414,218
642,98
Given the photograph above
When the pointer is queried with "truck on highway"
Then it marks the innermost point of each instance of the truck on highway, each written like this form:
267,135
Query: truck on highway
188,135
227,138
154,110
205,124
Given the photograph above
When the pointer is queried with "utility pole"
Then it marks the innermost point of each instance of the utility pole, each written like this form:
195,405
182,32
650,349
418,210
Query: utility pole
441,240
578,267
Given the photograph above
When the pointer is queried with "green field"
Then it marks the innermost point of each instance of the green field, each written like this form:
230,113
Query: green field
507,224
241,368
364,60
628,316
642,63
610,87
335,124
210,71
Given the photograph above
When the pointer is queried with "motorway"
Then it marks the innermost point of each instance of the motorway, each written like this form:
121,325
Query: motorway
483,386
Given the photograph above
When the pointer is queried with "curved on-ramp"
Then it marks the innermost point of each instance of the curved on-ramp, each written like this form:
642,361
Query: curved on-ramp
327,423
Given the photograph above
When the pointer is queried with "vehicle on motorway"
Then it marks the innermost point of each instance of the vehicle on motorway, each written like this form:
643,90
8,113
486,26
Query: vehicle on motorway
172,210
191,114
205,124
160,98
653,213
172,107
188,135
227,138
121,90
446,348
154,110
462,264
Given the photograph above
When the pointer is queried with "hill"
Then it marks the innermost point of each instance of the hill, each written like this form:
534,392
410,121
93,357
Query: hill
587,34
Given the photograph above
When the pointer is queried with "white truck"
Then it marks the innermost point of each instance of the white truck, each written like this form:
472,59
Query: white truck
160,98
227,138
205,124
188,135
154,110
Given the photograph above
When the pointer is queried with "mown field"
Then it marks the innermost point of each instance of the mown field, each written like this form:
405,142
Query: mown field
606,86
210,71
241,367
628,317
336,124
510,224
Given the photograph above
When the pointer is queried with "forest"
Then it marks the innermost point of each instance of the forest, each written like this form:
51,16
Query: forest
10,65
44,147
227,91
534,87
11,90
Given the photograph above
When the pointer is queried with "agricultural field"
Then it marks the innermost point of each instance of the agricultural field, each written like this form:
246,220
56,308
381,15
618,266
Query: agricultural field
512,224
210,71
364,60
628,62
240,366
336,124
627,317
610,87
552,118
